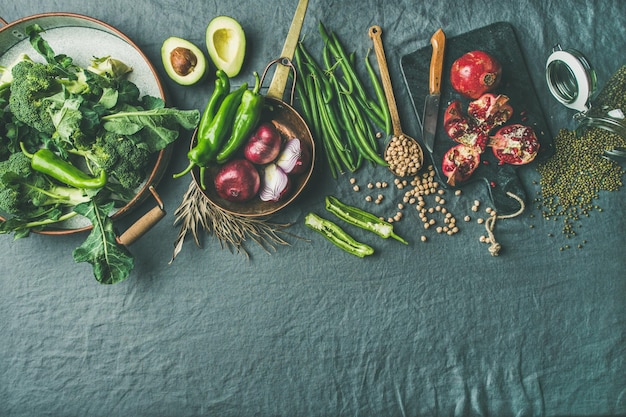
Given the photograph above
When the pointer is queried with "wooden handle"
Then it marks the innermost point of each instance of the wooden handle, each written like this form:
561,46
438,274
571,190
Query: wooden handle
438,41
141,226
375,32
145,223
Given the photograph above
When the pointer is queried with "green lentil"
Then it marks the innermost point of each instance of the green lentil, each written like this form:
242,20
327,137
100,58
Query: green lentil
573,177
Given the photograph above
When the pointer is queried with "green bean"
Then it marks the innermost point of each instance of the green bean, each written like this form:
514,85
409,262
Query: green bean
342,61
364,144
312,104
331,156
315,70
348,125
371,113
348,69
380,94
332,131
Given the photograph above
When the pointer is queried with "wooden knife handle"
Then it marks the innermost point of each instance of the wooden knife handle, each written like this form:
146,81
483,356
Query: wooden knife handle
438,42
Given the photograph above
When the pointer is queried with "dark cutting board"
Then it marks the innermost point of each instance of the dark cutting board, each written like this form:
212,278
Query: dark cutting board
499,40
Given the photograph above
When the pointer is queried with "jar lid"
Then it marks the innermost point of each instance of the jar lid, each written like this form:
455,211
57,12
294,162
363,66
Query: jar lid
570,78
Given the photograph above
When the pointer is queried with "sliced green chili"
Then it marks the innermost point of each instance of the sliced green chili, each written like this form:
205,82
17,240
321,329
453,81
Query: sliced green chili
337,236
361,218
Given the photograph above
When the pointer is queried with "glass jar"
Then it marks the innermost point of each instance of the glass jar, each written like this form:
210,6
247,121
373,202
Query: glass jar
572,81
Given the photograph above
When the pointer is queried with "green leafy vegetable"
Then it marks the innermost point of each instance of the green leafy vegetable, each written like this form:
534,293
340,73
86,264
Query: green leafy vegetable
93,118
154,125
111,261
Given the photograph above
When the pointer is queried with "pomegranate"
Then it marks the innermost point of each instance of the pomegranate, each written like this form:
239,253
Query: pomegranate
459,162
515,144
490,110
264,145
483,115
237,180
475,73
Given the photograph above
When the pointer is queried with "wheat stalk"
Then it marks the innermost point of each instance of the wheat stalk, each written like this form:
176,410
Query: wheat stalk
196,214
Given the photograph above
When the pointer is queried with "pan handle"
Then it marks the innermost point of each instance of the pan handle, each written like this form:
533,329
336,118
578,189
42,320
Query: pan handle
144,223
3,22
286,62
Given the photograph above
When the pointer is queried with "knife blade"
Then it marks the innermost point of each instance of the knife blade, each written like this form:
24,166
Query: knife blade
431,104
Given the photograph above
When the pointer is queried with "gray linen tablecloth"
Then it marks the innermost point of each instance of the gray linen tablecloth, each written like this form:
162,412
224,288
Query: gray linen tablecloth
436,328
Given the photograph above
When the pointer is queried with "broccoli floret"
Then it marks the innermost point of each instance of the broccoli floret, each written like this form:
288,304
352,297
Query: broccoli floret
124,159
27,194
32,84
6,74
132,161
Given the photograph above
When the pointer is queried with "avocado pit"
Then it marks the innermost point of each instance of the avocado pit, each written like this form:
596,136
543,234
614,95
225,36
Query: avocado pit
183,61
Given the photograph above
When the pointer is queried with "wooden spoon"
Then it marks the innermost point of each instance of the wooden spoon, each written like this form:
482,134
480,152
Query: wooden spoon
403,153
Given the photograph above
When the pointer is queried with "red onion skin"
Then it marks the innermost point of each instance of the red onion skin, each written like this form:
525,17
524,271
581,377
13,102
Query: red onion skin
264,145
237,181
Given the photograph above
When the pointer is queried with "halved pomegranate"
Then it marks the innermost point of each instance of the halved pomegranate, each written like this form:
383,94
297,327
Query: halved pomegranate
490,110
515,144
484,114
459,162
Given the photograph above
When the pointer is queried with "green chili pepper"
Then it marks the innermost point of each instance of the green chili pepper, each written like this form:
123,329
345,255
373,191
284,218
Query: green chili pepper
51,164
246,119
222,88
362,219
337,236
211,139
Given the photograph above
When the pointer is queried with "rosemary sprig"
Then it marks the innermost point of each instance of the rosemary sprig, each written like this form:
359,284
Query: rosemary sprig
196,214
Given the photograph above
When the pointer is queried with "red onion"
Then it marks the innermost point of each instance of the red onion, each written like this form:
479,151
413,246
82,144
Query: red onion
264,145
275,183
295,158
237,180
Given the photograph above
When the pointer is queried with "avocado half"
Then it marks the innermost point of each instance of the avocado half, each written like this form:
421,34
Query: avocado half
226,43
184,62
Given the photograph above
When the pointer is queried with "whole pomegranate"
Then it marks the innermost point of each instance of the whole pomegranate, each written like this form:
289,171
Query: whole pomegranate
475,73
459,162
515,144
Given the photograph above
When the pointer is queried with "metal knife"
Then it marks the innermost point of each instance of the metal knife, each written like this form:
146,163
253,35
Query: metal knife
431,105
